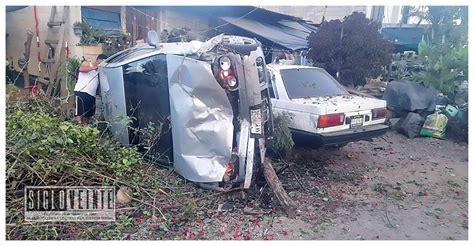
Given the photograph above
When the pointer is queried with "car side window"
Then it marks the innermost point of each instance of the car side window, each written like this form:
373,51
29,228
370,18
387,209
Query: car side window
271,85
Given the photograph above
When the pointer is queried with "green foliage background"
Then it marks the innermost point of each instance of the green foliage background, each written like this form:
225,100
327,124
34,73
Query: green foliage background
446,67
354,47
445,53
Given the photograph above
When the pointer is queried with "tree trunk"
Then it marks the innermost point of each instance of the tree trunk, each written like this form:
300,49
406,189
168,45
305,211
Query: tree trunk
275,184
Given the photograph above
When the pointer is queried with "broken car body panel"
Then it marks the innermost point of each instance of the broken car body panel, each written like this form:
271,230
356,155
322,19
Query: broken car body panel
201,116
217,103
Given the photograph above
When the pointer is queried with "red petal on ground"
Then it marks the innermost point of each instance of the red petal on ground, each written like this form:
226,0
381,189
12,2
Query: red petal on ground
237,235
247,237
192,237
256,222
201,232
284,232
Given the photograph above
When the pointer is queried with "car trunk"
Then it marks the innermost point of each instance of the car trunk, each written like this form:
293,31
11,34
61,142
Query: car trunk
342,104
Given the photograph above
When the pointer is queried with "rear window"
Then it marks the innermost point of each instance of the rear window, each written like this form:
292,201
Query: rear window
310,82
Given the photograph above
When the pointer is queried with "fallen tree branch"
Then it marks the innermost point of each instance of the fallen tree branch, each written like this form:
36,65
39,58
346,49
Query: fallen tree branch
288,166
274,182
358,93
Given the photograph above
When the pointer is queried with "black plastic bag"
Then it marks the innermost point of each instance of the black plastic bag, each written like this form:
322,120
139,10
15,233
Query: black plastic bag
403,96
411,125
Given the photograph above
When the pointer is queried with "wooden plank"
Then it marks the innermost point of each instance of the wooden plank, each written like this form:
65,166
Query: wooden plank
26,75
287,203
43,81
51,41
59,54
55,23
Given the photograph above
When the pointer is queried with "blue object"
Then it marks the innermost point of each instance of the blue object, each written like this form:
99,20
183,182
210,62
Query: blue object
100,19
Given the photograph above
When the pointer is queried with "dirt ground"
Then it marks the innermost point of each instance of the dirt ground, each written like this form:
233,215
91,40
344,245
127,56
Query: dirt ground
390,188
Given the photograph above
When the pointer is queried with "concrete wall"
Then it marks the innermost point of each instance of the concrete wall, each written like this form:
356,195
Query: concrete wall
19,22
392,14
315,13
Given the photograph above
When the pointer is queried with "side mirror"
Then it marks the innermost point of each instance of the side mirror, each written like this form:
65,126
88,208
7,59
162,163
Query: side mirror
153,38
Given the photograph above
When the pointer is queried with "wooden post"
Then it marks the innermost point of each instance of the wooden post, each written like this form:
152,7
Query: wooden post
123,18
134,30
26,75
274,182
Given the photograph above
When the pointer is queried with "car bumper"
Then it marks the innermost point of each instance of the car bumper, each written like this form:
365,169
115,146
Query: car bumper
339,137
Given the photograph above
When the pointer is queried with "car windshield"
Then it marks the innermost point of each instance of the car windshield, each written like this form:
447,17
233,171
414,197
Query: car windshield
310,82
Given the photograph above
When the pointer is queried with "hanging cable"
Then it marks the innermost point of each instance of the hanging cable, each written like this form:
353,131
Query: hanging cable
227,23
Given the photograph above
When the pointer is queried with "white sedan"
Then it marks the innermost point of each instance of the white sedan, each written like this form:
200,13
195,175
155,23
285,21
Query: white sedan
323,113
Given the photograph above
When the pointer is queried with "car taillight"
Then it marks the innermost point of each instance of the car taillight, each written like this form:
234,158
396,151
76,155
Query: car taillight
330,120
228,168
225,75
379,113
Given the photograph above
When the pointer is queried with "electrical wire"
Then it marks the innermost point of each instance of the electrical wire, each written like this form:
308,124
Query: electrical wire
225,24
198,33
164,22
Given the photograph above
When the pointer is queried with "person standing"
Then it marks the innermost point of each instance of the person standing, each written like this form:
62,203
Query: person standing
86,88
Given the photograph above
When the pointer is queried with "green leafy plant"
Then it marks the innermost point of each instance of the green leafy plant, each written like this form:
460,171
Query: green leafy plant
282,141
115,231
175,35
353,48
43,149
445,68
445,54
90,36
449,24
70,68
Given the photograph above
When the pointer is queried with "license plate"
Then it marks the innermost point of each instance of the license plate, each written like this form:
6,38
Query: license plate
357,120
256,121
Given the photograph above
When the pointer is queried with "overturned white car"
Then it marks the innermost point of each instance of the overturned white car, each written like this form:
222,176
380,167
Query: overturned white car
323,113
214,95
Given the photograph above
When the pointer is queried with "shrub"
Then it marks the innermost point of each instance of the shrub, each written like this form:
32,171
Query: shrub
445,68
445,55
282,142
354,47
90,36
43,149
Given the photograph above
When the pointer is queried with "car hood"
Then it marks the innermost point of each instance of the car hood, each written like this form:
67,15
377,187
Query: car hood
342,104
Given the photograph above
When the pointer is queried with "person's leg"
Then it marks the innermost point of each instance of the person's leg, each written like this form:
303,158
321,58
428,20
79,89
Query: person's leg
79,108
89,109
